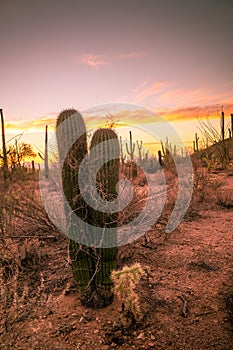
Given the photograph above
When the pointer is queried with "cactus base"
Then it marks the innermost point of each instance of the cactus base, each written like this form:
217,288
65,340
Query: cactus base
96,298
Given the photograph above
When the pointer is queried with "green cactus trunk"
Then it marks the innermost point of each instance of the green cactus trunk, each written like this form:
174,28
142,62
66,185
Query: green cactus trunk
106,181
92,267
81,255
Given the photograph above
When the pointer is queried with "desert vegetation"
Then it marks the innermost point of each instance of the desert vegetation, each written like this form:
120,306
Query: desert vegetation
161,291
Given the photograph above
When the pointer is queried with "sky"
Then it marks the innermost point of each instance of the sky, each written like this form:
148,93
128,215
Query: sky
174,57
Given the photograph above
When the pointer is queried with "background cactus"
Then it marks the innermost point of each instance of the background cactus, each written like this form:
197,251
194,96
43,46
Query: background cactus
130,150
91,266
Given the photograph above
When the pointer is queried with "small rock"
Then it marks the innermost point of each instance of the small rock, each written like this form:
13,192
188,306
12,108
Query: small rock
151,344
141,336
96,331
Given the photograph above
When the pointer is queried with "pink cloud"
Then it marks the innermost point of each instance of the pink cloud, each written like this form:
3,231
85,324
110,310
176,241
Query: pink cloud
147,91
94,61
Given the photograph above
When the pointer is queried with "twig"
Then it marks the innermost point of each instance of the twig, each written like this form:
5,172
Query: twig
185,306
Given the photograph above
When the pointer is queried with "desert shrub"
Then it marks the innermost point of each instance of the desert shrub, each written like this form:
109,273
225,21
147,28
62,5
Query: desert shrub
225,199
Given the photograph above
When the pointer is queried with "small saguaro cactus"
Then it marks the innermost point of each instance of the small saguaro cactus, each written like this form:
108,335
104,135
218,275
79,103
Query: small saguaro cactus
91,266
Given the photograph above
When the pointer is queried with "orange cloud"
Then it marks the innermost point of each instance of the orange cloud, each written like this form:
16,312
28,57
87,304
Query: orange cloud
195,112
32,125
97,117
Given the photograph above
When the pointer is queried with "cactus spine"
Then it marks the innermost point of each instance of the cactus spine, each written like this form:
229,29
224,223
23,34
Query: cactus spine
91,266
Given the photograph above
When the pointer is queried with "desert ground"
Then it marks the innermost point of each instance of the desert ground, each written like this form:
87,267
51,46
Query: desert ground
186,301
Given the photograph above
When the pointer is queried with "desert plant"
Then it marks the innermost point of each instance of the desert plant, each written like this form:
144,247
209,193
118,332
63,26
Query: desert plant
219,147
91,266
45,157
4,157
18,153
81,256
225,199
130,150
125,281
107,179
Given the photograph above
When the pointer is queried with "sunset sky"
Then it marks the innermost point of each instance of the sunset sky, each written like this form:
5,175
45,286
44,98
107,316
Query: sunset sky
174,57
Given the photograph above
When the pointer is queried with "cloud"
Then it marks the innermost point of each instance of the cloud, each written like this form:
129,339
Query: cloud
144,91
193,112
149,91
161,94
31,125
94,61
96,118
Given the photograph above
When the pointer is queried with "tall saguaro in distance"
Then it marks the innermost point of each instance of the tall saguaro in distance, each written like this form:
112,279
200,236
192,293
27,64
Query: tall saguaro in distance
231,125
223,126
5,163
46,161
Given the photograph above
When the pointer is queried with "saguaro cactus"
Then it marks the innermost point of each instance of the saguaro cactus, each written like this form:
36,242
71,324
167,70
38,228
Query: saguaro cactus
46,161
139,144
91,266
130,150
5,162
81,255
107,179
